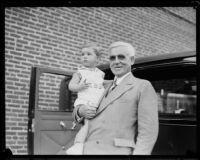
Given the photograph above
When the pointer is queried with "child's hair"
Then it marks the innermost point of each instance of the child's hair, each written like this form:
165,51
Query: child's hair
97,50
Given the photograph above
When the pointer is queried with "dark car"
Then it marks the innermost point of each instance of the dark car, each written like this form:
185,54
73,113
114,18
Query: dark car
174,79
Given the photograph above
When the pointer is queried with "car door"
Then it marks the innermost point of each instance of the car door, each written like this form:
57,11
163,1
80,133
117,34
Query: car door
50,126
175,82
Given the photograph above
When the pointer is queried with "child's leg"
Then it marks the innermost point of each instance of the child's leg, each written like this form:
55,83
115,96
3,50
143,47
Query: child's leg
80,138
82,133
77,148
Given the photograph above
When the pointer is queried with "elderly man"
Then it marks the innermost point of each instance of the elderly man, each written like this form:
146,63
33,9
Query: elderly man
126,121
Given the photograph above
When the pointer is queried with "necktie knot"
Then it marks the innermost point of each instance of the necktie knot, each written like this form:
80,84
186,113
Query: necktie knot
114,85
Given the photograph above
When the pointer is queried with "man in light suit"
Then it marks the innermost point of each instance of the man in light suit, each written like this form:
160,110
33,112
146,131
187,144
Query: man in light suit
126,121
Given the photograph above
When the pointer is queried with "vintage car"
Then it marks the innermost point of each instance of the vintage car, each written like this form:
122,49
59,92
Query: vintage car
50,127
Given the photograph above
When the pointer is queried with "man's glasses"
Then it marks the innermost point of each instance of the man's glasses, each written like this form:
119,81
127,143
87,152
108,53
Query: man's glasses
120,57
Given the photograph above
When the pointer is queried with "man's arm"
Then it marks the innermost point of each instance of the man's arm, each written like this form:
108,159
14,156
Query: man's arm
148,123
83,111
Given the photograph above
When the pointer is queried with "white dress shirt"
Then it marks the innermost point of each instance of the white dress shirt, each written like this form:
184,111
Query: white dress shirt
118,80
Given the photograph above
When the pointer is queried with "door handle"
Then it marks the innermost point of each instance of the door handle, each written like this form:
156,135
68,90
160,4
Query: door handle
62,124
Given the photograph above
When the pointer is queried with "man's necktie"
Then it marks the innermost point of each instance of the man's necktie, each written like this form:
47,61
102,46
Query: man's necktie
114,84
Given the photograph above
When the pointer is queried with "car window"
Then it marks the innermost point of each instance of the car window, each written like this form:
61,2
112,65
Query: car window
176,96
175,86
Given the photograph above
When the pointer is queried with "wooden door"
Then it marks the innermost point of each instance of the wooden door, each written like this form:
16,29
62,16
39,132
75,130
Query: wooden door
53,132
50,127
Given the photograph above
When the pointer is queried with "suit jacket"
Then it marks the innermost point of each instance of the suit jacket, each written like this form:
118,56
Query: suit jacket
126,121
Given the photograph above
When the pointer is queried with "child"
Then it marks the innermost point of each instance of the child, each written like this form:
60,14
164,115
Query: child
88,82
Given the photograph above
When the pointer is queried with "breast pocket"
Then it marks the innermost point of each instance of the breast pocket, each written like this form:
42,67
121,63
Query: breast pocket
124,100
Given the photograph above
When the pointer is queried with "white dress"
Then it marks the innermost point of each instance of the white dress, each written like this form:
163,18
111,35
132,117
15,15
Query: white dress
90,96
94,77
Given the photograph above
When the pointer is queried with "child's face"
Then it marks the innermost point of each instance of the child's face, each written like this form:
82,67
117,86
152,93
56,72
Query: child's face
89,58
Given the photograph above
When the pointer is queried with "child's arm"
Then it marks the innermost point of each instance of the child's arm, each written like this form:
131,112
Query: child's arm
74,83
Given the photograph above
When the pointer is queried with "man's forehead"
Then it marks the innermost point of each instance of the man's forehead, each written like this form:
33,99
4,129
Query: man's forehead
119,50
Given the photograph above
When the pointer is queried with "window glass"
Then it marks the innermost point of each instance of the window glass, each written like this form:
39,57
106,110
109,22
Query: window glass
53,94
176,96
175,85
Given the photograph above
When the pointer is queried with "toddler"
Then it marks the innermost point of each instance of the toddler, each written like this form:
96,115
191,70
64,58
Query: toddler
88,83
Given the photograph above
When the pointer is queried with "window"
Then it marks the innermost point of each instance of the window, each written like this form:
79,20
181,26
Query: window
175,86
176,96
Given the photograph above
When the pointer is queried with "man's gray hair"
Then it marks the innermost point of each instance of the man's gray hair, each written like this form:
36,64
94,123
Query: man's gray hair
130,48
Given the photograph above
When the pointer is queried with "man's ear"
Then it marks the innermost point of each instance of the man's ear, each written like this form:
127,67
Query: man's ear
132,60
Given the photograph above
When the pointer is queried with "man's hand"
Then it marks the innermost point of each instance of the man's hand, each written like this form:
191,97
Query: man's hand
86,111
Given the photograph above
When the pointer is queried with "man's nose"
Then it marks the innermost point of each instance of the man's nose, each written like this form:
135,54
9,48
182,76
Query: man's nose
116,60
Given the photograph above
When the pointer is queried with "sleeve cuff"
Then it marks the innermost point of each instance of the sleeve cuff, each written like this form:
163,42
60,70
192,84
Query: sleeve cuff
78,118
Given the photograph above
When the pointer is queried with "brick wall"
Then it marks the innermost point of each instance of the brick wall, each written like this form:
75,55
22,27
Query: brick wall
51,37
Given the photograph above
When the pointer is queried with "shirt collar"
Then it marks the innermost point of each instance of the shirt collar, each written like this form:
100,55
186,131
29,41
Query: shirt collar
118,80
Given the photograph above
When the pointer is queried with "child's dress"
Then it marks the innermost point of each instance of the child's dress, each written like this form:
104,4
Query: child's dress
90,96
94,77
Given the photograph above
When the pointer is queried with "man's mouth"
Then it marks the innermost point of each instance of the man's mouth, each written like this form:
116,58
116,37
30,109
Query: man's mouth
118,67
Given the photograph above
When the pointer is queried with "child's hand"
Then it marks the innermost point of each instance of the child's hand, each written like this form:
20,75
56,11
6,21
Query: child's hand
84,85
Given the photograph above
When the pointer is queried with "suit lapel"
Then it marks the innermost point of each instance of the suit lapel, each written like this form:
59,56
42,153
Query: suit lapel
125,85
105,92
